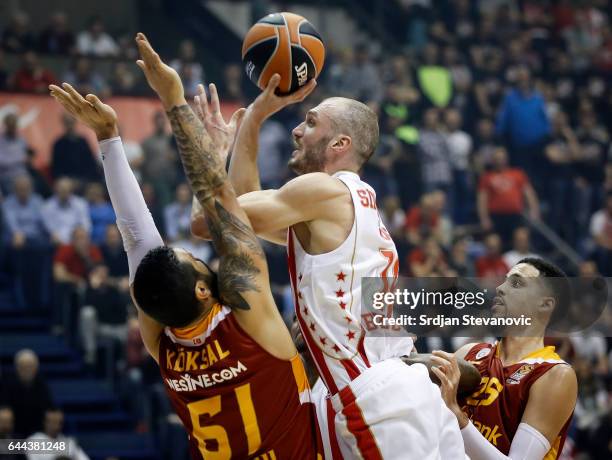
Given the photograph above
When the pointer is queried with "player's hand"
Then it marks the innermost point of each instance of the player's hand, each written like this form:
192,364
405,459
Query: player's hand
164,80
222,134
447,371
100,117
268,102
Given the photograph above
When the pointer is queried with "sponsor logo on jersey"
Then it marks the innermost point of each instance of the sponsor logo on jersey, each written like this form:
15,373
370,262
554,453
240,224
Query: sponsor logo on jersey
182,360
192,383
302,73
482,353
519,374
491,434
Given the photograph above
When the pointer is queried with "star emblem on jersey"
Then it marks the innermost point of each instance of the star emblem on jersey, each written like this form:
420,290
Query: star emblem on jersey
336,348
350,335
340,293
348,319
323,340
299,295
300,277
312,327
341,276
305,311
342,305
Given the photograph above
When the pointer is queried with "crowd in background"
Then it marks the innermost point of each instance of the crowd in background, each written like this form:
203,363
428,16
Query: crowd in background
495,122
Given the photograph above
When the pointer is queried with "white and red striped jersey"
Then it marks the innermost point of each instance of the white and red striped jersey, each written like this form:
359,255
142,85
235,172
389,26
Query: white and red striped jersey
327,293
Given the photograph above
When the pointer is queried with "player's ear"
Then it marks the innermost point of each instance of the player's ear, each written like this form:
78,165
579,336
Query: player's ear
341,143
202,292
547,305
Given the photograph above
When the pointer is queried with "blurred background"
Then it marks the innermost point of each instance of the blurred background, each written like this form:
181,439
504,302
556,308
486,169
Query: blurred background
495,121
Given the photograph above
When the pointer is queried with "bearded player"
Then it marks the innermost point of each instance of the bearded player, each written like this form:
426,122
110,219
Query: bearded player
228,362
329,220
527,394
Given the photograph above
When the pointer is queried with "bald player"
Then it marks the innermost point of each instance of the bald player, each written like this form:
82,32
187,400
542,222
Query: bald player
527,394
329,220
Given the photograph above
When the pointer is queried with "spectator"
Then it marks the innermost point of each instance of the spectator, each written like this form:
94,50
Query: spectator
95,41
428,259
22,213
521,247
30,257
57,38
393,216
4,76
601,234
273,143
17,37
522,119
485,145
72,156
64,212
115,257
104,313
189,68
13,153
492,265
502,193
39,181
424,220
27,394
32,77
52,431
434,80
159,165
85,79
7,431
178,214
460,261
101,212
155,207
197,247
231,87
71,266
435,154
123,81
460,149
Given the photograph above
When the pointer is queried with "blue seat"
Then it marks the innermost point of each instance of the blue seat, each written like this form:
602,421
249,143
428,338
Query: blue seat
81,392
133,446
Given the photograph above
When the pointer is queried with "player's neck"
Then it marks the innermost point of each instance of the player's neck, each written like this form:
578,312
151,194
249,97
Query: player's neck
513,349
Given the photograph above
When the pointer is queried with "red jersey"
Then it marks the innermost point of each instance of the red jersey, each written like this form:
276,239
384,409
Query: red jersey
505,190
497,407
236,400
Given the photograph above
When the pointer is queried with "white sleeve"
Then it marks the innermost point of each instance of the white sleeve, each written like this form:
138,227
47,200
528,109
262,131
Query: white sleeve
133,217
527,444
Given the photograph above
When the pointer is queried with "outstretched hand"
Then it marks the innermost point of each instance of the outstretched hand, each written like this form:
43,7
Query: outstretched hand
268,102
162,78
447,371
100,117
222,134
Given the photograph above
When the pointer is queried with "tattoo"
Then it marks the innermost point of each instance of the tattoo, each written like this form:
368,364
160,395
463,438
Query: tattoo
237,244
234,241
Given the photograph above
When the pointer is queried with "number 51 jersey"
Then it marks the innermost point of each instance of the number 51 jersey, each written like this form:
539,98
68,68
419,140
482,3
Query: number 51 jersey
236,400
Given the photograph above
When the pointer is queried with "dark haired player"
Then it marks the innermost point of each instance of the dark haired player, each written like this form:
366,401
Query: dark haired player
527,393
228,362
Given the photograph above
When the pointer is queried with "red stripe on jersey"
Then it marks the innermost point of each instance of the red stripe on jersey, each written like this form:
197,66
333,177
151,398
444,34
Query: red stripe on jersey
351,368
315,352
361,349
356,424
331,428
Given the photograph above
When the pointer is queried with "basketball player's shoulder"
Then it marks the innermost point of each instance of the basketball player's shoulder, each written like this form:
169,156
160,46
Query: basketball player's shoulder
317,186
562,374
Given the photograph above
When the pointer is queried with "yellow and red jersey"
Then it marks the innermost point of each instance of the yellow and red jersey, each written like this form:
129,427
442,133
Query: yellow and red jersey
497,406
236,400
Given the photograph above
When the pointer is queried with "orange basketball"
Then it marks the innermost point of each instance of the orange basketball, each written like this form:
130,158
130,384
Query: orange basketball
286,44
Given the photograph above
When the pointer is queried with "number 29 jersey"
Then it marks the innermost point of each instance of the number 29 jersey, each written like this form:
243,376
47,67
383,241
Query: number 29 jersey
497,406
236,400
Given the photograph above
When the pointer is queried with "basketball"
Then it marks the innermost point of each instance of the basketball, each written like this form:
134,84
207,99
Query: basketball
286,44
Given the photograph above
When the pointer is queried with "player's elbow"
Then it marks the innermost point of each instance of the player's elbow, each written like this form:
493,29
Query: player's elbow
199,227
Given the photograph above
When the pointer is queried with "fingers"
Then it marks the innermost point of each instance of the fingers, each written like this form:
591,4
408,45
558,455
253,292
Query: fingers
444,380
76,97
93,99
304,91
445,355
272,84
149,57
214,100
64,99
237,118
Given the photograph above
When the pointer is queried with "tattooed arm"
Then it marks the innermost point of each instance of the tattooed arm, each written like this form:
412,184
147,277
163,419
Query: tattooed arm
243,273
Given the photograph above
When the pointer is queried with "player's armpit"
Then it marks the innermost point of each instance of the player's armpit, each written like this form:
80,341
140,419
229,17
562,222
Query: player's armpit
552,399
